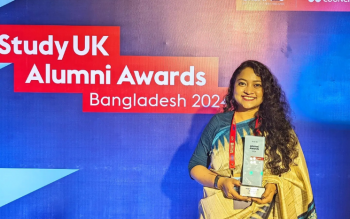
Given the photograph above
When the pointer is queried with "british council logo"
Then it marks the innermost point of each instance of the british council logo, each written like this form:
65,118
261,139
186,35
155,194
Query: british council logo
314,0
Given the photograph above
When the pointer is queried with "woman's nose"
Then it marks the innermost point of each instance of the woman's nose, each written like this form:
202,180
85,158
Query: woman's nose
248,89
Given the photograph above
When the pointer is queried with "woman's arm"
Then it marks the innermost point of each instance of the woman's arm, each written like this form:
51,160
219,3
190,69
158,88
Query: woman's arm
203,176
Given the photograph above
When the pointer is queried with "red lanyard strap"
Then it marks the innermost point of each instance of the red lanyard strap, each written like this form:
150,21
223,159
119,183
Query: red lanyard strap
233,132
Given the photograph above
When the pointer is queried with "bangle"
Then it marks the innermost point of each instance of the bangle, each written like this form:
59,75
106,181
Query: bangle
216,181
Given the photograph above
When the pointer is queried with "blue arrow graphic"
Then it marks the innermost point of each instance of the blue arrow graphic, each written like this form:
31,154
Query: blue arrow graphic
16,183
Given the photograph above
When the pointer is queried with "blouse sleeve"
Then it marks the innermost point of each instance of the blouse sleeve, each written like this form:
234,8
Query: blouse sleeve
201,155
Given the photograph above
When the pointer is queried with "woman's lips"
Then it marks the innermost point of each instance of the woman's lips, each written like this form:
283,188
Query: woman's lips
248,98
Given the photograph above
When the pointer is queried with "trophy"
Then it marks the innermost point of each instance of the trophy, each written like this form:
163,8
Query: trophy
253,164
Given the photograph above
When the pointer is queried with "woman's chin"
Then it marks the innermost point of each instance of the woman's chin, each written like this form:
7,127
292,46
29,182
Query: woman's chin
247,108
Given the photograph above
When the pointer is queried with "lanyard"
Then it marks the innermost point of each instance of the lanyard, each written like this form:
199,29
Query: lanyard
233,132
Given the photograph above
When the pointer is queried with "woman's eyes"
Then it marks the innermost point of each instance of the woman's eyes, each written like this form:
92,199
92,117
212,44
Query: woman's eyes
244,84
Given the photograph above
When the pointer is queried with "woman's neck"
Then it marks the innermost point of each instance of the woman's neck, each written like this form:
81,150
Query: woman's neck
244,115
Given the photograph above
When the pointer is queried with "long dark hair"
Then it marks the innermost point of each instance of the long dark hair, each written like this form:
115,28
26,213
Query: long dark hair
275,119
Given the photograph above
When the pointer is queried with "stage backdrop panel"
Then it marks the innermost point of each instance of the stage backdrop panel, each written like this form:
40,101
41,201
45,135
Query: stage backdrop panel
67,152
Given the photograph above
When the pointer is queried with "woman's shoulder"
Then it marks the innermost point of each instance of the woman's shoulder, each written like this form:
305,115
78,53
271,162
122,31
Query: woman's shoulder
221,119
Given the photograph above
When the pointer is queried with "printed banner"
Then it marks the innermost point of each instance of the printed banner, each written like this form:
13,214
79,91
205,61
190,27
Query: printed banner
80,59
293,5
159,63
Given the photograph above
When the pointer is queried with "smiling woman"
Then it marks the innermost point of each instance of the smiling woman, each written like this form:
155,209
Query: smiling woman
255,105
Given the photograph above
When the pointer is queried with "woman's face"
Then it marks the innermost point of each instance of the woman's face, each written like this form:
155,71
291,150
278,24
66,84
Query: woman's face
248,91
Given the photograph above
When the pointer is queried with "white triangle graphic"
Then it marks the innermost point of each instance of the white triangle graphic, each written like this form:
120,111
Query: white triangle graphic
5,2
16,183
3,65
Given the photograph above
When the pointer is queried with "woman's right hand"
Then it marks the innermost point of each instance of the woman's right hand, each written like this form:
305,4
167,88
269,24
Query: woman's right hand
227,186
206,177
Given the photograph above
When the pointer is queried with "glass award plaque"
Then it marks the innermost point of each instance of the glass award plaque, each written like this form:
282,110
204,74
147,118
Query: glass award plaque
253,165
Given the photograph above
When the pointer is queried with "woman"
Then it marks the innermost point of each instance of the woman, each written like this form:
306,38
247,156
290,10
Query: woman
255,105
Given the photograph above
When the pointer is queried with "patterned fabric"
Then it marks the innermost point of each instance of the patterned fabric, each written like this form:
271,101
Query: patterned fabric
294,198
311,212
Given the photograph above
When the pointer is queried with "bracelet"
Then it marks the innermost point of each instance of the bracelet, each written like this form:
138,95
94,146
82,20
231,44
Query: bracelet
216,181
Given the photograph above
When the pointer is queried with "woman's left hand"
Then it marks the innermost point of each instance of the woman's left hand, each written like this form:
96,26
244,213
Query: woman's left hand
270,191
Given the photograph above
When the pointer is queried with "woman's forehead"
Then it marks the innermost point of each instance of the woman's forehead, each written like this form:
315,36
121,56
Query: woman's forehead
248,74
